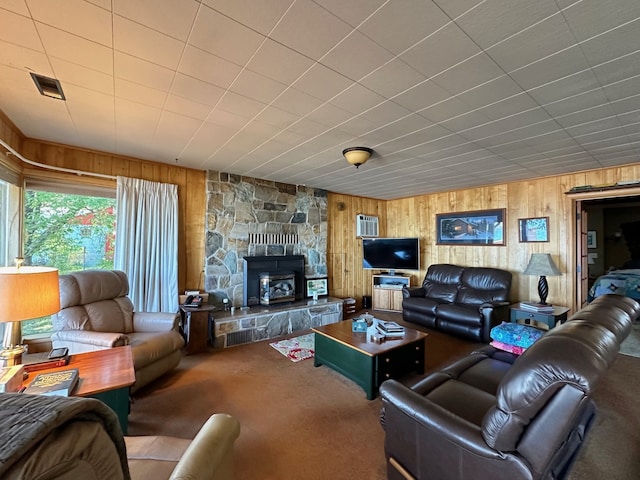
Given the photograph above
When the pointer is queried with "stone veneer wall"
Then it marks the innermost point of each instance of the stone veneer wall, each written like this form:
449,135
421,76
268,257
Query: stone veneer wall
250,216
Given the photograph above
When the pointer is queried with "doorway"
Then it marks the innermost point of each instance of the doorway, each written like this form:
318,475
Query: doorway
603,239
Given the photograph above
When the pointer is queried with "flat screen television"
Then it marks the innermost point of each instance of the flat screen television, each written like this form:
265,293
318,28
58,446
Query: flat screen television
391,254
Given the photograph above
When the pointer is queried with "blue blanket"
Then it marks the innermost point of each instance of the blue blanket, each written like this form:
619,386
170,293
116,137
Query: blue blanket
620,282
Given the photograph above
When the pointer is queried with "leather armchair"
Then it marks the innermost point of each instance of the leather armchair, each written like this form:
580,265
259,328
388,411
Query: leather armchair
59,438
97,314
495,415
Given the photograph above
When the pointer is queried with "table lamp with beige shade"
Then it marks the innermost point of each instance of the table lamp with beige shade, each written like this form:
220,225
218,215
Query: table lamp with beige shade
26,293
542,265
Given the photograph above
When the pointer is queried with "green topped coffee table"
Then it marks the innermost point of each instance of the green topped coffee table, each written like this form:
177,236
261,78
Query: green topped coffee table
365,362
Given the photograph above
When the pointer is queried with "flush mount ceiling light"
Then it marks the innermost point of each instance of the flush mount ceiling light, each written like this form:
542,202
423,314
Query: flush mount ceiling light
49,87
357,155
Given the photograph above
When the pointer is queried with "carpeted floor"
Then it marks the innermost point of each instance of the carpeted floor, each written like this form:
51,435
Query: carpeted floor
299,421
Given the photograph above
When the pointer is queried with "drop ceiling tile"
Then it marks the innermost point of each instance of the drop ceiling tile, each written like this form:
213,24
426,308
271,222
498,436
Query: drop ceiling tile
357,126
618,69
19,30
353,12
422,96
576,103
224,37
142,72
16,6
16,56
279,62
296,102
139,93
554,68
566,87
240,105
445,110
176,129
347,58
208,67
399,25
430,58
598,113
71,16
540,41
474,71
509,107
257,87
71,73
77,50
260,15
392,79
227,120
186,107
623,89
490,92
142,42
494,21
308,128
196,90
357,99
322,82
329,115
173,18
465,121
589,18
593,126
310,29
276,117
613,44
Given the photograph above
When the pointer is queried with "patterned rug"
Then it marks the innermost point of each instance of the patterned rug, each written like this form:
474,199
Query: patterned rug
297,348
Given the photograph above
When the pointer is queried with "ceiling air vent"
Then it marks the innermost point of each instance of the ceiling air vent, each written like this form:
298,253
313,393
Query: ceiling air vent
49,87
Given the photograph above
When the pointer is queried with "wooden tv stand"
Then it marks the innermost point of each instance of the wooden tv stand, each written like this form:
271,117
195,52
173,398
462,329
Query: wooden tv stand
387,291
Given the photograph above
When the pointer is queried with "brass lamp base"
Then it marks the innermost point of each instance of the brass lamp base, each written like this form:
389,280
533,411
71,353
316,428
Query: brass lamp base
11,356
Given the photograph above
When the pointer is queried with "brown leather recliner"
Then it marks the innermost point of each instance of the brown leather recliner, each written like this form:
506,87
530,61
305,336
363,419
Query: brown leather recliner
463,301
97,314
496,415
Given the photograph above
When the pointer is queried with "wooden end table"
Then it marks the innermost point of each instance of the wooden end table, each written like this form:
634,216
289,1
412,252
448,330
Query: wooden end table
196,327
365,362
105,375
551,319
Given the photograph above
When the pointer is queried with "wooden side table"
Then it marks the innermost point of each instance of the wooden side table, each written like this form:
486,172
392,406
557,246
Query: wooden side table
196,322
551,319
104,374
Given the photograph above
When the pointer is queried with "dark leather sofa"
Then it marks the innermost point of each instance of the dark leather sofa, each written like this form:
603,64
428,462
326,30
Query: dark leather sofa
496,415
464,301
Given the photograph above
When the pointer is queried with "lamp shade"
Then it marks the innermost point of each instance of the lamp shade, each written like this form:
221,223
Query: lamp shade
541,264
357,155
28,292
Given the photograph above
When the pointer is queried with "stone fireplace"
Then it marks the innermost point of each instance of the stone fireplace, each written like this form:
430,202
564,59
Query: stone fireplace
285,273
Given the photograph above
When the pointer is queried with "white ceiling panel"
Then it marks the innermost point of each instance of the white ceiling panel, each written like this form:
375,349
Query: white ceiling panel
449,94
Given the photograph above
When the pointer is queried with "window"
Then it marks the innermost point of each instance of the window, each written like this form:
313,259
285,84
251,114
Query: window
67,231
9,225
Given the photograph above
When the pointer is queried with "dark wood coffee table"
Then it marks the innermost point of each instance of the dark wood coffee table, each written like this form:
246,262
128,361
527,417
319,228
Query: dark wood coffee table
367,363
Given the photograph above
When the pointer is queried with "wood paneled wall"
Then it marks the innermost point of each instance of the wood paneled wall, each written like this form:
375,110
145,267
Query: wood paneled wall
415,216
191,193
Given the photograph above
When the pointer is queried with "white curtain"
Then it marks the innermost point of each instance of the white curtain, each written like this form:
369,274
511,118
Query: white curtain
147,242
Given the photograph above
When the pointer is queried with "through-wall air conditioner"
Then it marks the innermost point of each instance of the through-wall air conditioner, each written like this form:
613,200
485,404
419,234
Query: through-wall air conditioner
366,226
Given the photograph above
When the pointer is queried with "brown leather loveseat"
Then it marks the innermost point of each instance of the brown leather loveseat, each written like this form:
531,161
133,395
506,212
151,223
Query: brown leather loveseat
464,301
495,415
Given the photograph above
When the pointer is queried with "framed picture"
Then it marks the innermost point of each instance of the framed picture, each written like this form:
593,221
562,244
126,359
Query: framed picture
534,229
591,239
482,227
319,285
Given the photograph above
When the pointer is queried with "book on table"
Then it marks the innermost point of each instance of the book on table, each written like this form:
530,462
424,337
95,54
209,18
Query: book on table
391,334
54,383
537,307
388,326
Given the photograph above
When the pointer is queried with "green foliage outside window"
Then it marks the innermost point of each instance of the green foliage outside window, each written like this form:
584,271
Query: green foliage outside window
67,232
